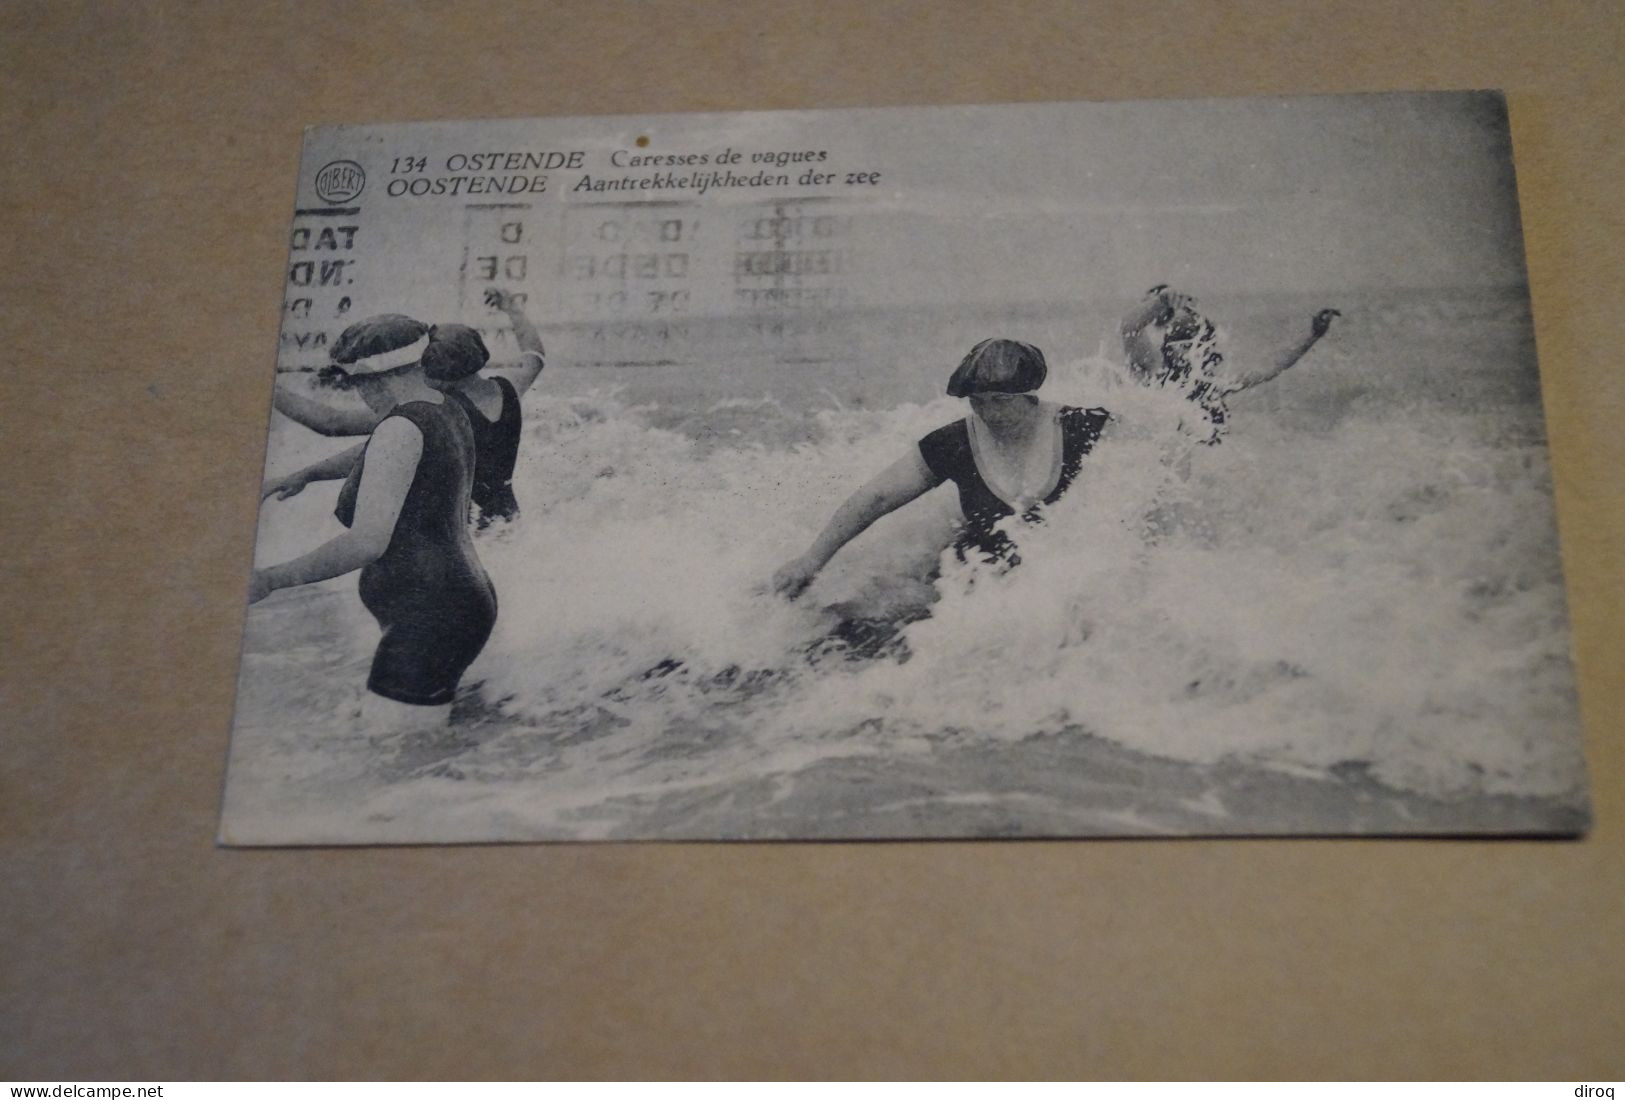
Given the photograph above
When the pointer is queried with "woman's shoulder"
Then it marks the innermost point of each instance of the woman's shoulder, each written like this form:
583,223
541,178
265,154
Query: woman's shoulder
953,434
510,397
401,423
430,417
416,412
947,449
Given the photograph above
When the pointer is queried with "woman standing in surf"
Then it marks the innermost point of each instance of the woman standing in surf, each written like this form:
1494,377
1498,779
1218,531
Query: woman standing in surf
404,506
491,401
1011,454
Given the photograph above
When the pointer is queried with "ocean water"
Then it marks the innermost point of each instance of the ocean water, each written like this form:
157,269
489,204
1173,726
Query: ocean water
1346,618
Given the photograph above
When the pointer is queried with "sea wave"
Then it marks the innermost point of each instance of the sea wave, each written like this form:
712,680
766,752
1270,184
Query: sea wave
1371,592
1384,594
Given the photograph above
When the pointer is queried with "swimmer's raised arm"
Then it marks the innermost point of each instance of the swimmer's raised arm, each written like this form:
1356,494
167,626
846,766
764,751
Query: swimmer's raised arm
1319,324
321,417
532,356
392,462
330,468
893,487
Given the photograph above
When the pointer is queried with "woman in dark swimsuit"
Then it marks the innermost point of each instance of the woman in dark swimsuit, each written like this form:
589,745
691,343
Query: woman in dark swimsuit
1011,455
496,439
405,509
492,404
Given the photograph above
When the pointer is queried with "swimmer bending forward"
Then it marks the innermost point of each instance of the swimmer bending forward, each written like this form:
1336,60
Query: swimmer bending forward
1011,454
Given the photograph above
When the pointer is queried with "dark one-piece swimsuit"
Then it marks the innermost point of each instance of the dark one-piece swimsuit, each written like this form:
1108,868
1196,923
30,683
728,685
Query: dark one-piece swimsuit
948,455
428,591
496,450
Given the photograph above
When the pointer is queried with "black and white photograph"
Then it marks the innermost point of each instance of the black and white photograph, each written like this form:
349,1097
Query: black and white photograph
1167,468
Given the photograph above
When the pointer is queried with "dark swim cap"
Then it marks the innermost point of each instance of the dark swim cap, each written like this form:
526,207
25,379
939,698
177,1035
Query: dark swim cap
999,366
455,351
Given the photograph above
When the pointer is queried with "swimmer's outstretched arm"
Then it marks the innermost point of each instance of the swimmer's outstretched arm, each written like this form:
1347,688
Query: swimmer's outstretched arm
320,417
893,487
328,469
392,462
1318,326
532,356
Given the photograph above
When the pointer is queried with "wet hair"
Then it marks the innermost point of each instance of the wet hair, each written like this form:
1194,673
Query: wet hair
378,335
455,351
999,366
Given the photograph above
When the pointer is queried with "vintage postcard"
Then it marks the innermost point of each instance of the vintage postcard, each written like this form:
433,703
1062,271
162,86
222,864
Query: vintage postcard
1062,470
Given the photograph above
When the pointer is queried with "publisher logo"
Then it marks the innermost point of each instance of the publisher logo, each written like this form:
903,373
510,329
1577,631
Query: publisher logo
340,181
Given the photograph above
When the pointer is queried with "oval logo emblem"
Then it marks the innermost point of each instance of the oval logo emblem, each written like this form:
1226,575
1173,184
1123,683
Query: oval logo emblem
340,181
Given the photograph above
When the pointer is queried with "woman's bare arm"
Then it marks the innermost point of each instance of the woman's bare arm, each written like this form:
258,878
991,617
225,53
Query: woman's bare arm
893,487
322,417
532,357
392,461
1286,358
327,469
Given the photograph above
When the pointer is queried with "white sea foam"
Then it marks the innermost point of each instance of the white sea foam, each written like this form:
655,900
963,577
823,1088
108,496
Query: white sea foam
1313,600
1376,589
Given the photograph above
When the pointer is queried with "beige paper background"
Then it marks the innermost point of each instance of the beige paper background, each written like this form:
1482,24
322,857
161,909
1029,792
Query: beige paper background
147,164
